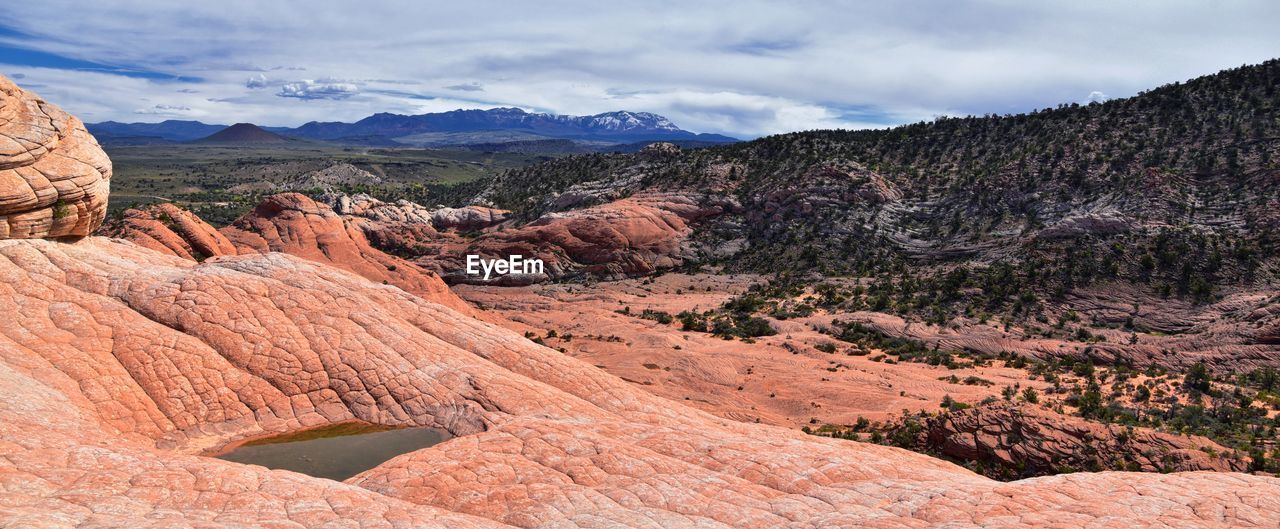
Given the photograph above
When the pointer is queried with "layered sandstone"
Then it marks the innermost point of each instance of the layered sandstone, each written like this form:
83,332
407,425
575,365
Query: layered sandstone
297,225
608,235
123,360
289,223
1023,440
170,229
54,178
121,363
628,237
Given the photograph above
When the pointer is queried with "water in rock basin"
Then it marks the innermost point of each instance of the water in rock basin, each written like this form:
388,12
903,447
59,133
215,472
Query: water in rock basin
334,452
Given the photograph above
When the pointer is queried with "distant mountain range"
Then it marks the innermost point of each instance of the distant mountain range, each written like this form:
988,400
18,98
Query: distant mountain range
243,133
457,127
166,131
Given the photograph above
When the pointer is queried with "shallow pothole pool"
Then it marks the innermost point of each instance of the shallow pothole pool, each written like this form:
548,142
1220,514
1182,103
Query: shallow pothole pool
335,452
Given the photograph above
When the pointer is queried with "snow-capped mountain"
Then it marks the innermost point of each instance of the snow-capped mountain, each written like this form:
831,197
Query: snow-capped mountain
474,126
624,121
615,126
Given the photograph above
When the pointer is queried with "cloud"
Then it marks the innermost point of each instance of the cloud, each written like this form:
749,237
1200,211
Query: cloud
164,110
1097,97
256,81
308,89
744,67
468,87
18,76
765,47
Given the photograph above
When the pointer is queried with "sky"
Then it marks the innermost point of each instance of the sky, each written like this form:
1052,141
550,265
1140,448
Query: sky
741,68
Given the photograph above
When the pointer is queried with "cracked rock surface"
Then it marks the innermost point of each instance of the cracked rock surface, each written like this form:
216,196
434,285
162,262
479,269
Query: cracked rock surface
290,223
54,178
120,364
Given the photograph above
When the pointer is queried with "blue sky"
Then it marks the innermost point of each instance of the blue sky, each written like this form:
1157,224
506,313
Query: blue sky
741,68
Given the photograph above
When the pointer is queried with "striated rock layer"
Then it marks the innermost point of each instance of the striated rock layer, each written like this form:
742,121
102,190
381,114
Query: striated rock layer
289,223
121,362
170,229
1020,440
54,178
622,238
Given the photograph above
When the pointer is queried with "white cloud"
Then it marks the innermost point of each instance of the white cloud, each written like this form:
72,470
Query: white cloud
256,81
1097,97
308,89
466,87
164,110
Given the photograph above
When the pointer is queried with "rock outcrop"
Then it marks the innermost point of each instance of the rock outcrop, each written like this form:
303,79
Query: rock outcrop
54,178
628,237
120,364
1019,440
405,212
467,218
289,223
297,225
125,362
322,178
633,236
621,237
170,229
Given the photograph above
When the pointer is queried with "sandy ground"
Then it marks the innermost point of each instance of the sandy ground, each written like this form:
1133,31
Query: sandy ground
780,379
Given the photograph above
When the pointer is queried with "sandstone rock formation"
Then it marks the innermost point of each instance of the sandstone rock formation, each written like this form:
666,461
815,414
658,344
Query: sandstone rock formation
54,178
297,225
169,229
619,238
121,364
633,236
124,361
467,218
404,212
289,223
1024,440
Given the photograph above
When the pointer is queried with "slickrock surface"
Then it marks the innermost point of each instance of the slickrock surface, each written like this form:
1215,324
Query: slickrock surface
54,178
1026,440
617,238
623,238
169,229
120,360
120,363
289,223
297,225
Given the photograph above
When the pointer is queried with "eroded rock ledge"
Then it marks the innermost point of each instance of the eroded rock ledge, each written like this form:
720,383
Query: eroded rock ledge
119,363
1020,440
54,179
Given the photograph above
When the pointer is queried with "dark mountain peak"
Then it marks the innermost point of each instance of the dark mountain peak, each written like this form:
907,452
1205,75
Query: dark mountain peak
243,133
168,130
507,111
475,126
